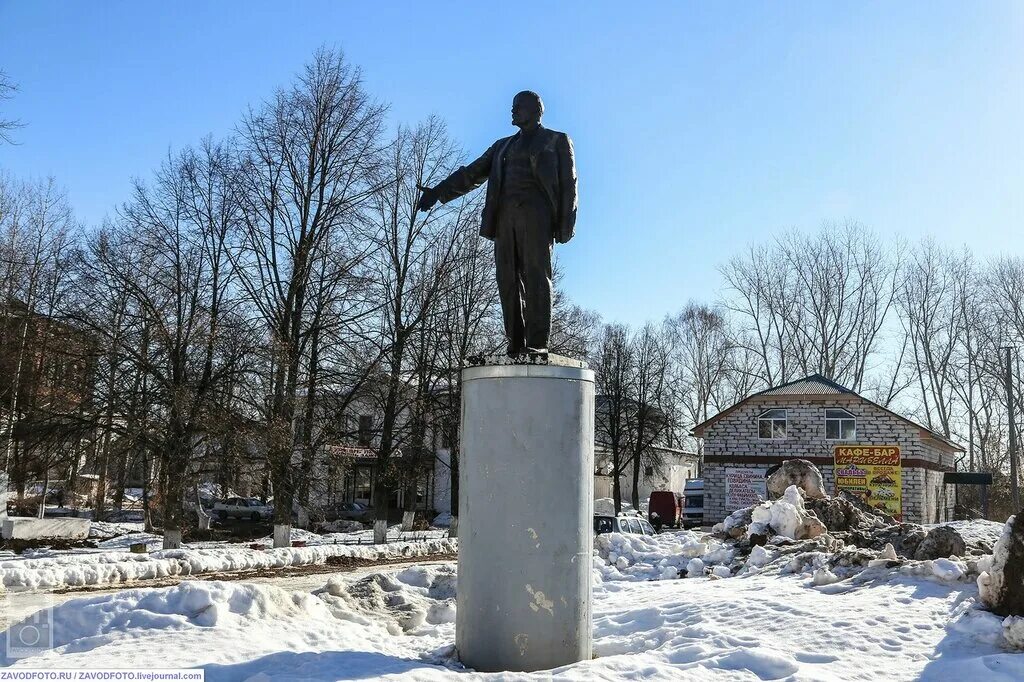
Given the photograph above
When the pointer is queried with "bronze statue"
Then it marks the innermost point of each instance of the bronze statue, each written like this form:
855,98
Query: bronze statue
531,203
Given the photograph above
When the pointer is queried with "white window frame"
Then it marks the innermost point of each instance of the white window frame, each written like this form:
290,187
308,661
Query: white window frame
849,417
785,420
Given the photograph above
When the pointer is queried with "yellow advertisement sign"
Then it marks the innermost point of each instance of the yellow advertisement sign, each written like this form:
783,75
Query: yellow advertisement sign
872,472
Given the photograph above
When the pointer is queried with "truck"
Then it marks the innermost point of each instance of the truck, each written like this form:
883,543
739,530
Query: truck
692,514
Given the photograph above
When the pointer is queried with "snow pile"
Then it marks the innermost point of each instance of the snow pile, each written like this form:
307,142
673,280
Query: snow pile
759,556
152,542
1013,632
442,520
977,531
297,535
409,602
104,530
796,472
605,506
947,569
341,526
992,568
997,590
626,556
111,568
786,516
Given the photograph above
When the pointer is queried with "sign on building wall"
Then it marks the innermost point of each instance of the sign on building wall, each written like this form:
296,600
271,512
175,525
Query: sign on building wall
744,487
873,472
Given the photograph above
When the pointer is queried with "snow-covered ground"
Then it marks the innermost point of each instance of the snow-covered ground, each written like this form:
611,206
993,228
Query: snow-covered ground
774,619
54,570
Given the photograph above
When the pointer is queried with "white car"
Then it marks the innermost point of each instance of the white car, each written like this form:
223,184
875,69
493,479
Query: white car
242,508
622,524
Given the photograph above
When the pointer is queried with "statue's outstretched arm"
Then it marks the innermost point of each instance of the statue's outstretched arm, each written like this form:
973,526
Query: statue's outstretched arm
464,180
467,178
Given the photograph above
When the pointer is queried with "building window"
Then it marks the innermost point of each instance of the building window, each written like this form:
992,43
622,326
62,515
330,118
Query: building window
772,424
840,425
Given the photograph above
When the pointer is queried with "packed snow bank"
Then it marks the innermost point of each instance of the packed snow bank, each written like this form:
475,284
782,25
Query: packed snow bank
237,631
111,568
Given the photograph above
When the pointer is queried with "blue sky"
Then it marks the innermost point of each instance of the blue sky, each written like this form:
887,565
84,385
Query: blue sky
699,127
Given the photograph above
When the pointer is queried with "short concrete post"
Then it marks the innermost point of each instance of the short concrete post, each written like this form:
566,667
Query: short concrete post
526,479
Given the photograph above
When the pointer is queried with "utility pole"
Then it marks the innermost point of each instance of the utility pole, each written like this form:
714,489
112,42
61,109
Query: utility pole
1014,491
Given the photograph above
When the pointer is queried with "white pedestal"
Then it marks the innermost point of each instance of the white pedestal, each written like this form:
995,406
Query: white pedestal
526,479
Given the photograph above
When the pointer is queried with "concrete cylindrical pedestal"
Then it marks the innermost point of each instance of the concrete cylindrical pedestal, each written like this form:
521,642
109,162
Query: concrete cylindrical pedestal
526,501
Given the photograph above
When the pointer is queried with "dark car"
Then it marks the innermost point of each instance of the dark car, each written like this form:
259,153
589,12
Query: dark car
349,511
667,505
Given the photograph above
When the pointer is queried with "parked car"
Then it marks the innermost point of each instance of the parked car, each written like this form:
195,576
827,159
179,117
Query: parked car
349,511
693,503
667,505
243,508
622,524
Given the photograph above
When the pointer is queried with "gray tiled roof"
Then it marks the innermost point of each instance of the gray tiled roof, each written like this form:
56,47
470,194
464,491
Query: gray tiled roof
814,384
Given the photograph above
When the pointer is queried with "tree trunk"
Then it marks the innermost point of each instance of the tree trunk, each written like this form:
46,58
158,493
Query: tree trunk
73,476
176,465
281,480
382,488
409,501
616,482
46,486
147,518
636,482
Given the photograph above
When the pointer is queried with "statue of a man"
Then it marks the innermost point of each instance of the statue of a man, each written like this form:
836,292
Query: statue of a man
531,203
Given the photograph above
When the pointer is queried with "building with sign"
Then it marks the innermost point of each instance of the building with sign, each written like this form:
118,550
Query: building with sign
891,461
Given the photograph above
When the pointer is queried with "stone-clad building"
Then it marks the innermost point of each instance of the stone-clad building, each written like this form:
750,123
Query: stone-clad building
807,419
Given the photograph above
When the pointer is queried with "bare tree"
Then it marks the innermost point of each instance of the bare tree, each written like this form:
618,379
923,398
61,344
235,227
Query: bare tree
171,259
700,352
412,259
934,322
648,420
8,125
37,224
614,367
308,159
815,304
469,324
574,330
